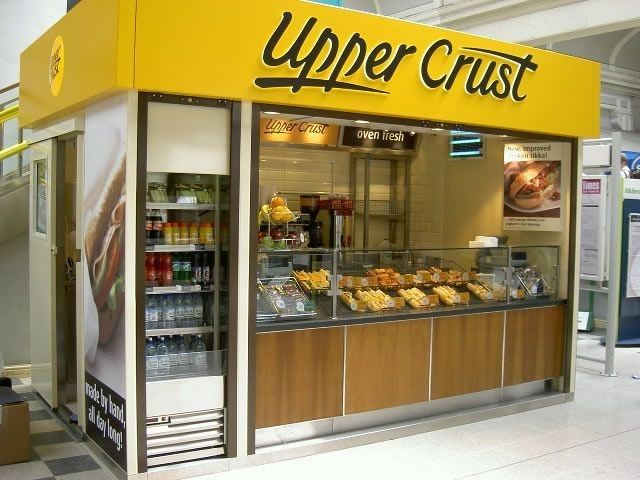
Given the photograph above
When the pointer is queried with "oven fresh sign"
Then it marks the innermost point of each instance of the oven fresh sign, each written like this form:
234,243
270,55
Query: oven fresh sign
316,57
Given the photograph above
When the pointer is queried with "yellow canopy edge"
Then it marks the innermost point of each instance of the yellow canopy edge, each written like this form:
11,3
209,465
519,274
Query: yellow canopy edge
297,53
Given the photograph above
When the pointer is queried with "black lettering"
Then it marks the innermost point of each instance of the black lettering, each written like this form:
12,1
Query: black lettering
525,64
424,70
327,35
402,52
291,55
469,86
503,73
375,60
461,61
354,41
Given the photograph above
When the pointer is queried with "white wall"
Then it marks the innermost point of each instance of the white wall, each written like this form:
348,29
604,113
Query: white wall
14,300
23,21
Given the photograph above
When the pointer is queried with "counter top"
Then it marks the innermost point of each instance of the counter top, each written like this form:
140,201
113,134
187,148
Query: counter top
364,318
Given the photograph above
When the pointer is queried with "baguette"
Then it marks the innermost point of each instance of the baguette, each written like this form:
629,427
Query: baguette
104,252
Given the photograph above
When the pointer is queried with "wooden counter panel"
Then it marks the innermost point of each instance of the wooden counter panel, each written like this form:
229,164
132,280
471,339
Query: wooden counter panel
299,376
387,365
534,344
467,354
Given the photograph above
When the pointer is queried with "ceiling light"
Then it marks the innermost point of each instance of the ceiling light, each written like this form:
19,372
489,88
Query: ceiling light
361,121
412,133
271,113
437,129
504,136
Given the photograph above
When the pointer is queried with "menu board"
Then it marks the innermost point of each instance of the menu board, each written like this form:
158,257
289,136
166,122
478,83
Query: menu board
593,228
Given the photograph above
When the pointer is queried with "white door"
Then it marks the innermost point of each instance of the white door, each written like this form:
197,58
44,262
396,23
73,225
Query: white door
42,273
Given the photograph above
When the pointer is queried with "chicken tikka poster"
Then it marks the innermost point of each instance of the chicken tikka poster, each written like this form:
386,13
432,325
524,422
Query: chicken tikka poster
532,187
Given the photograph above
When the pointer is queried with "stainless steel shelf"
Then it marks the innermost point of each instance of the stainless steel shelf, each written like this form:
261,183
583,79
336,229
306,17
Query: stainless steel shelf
158,332
177,289
180,248
181,206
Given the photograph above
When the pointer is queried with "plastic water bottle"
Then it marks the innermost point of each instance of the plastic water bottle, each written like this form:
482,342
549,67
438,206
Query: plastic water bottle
174,358
154,317
147,310
151,356
184,356
190,311
163,355
180,311
199,308
169,311
199,352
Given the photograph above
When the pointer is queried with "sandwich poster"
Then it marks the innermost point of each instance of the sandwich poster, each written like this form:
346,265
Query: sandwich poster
104,199
532,187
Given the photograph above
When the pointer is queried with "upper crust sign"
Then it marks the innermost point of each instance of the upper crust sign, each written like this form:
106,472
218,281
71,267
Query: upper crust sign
532,186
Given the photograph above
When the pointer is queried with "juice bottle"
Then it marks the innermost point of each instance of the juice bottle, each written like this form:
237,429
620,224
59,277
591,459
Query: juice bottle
184,234
206,234
194,233
168,233
175,231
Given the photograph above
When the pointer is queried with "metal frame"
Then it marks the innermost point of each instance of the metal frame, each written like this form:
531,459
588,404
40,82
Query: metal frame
614,263
144,98
385,424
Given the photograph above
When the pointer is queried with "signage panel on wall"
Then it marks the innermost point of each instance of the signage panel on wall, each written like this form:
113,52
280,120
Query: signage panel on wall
532,186
593,228
371,138
633,261
103,305
300,132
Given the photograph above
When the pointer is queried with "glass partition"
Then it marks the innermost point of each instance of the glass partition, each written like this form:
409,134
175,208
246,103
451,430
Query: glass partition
297,285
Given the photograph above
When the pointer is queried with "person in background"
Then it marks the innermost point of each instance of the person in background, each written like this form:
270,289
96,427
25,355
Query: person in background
624,168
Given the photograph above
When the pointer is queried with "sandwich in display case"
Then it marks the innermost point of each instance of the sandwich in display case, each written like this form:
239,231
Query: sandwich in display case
305,285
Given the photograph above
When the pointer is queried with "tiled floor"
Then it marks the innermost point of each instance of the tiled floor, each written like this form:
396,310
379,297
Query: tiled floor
55,453
595,437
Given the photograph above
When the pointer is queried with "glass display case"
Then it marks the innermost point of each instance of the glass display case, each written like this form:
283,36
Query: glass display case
349,284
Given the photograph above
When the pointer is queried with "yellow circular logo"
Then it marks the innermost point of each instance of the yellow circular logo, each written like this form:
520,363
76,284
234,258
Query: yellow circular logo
56,66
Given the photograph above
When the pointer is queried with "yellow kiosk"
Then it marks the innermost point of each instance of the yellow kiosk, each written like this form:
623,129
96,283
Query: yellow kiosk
204,347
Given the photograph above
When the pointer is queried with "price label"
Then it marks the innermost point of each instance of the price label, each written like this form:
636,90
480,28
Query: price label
435,277
365,282
353,305
391,303
349,282
280,303
456,298
465,276
400,280
489,296
424,301
300,306
419,278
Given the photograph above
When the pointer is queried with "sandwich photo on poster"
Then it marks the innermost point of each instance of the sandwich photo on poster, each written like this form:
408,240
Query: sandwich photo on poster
532,187
104,200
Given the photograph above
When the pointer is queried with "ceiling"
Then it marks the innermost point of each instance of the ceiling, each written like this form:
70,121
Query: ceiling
620,48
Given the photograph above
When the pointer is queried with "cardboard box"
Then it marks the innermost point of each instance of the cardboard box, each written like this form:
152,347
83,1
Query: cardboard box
14,428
